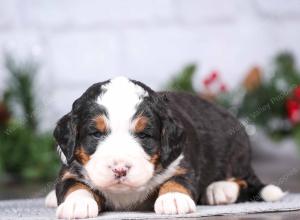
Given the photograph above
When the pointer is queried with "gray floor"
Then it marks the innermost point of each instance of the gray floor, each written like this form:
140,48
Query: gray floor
35,209
295,215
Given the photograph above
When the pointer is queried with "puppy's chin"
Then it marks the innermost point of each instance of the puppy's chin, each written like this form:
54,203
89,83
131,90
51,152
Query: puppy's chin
120,188
103,178
124,186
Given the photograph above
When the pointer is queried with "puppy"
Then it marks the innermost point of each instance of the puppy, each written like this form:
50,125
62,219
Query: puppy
125,147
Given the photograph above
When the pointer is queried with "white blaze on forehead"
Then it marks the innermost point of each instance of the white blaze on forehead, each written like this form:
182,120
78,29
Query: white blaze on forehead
121,98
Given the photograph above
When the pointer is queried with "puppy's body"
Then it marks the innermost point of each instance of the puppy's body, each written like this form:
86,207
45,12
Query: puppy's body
217,147
126,147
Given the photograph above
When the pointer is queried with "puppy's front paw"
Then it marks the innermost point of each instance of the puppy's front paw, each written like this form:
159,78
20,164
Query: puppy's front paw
174,203
78,204
50,200
222,192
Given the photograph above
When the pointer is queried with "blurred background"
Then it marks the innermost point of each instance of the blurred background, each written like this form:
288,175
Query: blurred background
242,54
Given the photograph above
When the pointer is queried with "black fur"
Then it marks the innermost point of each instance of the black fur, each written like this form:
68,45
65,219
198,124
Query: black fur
74,126
214,144
212,152
65,135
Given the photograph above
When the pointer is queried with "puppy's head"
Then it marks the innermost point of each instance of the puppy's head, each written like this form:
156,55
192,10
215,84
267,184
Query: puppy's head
122,133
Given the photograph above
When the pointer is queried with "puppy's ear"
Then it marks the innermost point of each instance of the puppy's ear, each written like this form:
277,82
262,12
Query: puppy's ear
172,135
65,134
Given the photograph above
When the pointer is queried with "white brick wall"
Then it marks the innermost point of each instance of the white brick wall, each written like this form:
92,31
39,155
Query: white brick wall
79,42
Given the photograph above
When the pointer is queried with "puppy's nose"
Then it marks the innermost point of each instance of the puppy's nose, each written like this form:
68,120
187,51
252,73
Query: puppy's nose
120,171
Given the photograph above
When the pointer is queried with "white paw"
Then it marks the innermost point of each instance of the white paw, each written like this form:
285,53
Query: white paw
50,200
174,203
222,192
79,204
271,193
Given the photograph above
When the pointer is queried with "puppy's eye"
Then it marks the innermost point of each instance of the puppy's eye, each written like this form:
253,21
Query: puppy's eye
97,134
143,135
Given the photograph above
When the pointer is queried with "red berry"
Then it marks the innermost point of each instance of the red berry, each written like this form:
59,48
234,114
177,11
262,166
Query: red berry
297,92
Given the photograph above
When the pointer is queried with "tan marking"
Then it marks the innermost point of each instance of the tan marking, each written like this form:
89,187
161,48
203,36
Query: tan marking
140,124
180,171
68,175
242,183
154,159
101,124
172,186
81,155
78,186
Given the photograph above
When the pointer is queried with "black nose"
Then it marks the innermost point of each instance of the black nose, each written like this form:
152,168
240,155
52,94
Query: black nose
120,172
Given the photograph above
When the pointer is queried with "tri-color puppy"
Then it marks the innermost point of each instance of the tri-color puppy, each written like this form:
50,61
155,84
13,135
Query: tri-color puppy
126,147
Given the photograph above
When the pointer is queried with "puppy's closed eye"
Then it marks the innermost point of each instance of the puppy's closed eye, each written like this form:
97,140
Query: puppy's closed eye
143,135
97,134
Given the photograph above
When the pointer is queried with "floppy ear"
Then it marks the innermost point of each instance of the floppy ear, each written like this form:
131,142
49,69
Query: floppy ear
65,134
172,136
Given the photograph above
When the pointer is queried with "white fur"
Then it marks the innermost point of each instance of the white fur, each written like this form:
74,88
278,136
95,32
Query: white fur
121,98
222,192
174,203
120,148
128,199
61,155
78,204
50,200
271,193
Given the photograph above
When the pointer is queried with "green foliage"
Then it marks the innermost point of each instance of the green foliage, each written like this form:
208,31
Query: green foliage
261,98
183,81
21,89
25,153
265,105
272,92
296,134
285,68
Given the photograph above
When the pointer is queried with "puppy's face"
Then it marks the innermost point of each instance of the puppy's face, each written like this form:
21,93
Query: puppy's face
118,132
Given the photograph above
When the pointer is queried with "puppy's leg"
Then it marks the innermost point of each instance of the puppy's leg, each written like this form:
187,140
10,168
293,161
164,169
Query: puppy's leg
233,190
174,198
238,165
78,202
224,192
257,191
51,200
75,199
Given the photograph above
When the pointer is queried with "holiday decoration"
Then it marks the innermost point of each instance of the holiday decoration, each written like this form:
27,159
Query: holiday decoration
293,106
270,100
213,86
253,79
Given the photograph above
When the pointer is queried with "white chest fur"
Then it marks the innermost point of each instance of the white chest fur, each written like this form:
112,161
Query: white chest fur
128,200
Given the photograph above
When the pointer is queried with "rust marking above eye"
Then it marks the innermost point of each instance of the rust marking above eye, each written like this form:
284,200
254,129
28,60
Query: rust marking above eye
140,124
101,124
81,155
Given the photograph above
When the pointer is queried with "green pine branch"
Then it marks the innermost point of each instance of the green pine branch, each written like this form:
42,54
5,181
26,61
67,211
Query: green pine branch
183,81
